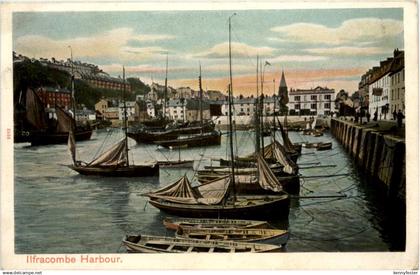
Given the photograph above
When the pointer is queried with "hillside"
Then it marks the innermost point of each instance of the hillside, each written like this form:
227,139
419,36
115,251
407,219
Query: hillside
28,74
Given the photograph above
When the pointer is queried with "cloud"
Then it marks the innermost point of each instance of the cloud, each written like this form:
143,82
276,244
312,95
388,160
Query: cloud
354,30
297,58
152,37
239,50
112,45
349,51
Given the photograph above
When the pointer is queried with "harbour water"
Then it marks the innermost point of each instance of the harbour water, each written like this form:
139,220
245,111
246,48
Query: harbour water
60,211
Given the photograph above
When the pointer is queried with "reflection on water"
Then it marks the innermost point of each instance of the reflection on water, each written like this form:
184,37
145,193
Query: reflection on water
59,211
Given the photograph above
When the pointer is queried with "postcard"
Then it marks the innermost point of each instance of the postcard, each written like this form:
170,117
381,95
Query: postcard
199,135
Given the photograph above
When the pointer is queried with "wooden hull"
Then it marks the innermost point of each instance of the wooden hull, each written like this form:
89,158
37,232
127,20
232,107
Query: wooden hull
195,141
324,146
189,130
41,138
250,207
173,224
151,137
158,244
263,235
298,148
130,171
176,164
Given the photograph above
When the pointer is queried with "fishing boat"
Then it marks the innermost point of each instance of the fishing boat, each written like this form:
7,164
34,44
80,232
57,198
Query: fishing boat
113,162
174,224
179,163
199,140
52,131
207,136
159,244
218,198
258,235
324,146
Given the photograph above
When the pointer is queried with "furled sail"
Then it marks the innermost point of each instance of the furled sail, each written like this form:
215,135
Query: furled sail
286,141
280,154
35,112
266,178
72,146
213,192
115,156
182,192
65,123
276,151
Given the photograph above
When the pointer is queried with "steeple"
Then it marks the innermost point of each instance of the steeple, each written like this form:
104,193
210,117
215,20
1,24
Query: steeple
283,80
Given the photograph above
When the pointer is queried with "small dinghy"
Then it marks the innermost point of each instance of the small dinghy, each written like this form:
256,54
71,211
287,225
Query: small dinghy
173,224
159,244
260,235
324,146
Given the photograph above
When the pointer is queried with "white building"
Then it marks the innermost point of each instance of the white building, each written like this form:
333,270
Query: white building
131,110
176,109
379,88
318,101
397,76
150,108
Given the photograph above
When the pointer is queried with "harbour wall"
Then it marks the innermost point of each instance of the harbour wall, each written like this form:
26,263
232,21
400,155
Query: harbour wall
377,152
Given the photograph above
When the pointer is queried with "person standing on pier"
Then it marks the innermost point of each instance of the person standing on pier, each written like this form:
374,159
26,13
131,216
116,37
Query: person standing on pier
375,115
367,115
400,117
394,114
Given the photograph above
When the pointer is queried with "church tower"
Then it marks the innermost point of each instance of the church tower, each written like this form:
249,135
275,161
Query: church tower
283,94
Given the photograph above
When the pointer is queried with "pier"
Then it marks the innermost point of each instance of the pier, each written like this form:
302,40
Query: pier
378,148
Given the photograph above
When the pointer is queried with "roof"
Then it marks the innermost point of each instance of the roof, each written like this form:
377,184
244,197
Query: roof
397,63
317,90
194,104
283,80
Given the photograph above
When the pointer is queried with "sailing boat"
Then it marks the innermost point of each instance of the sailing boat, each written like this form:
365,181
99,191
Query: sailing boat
114,162
168,130
176,163
50,131
197,140
218,198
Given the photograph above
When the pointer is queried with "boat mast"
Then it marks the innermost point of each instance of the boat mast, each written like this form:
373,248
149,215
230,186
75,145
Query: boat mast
201,101
72,94
257,116
262,105
166,87
230,112
125,119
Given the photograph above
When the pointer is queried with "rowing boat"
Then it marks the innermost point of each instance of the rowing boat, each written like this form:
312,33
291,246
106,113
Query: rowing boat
173,224
159,244
260,235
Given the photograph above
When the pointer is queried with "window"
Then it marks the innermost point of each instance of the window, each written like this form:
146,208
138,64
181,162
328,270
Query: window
313,106
327,96
313,97
297,98
327,106
398,93
297,106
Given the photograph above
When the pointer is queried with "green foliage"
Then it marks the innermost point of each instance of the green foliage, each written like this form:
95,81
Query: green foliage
137,86
27,74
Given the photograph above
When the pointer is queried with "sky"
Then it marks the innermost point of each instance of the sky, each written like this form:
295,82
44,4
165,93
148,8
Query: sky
315,47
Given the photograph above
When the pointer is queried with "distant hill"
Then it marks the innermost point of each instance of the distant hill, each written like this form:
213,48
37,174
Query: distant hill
32,74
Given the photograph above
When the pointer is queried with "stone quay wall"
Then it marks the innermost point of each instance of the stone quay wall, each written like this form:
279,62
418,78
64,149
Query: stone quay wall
378,153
